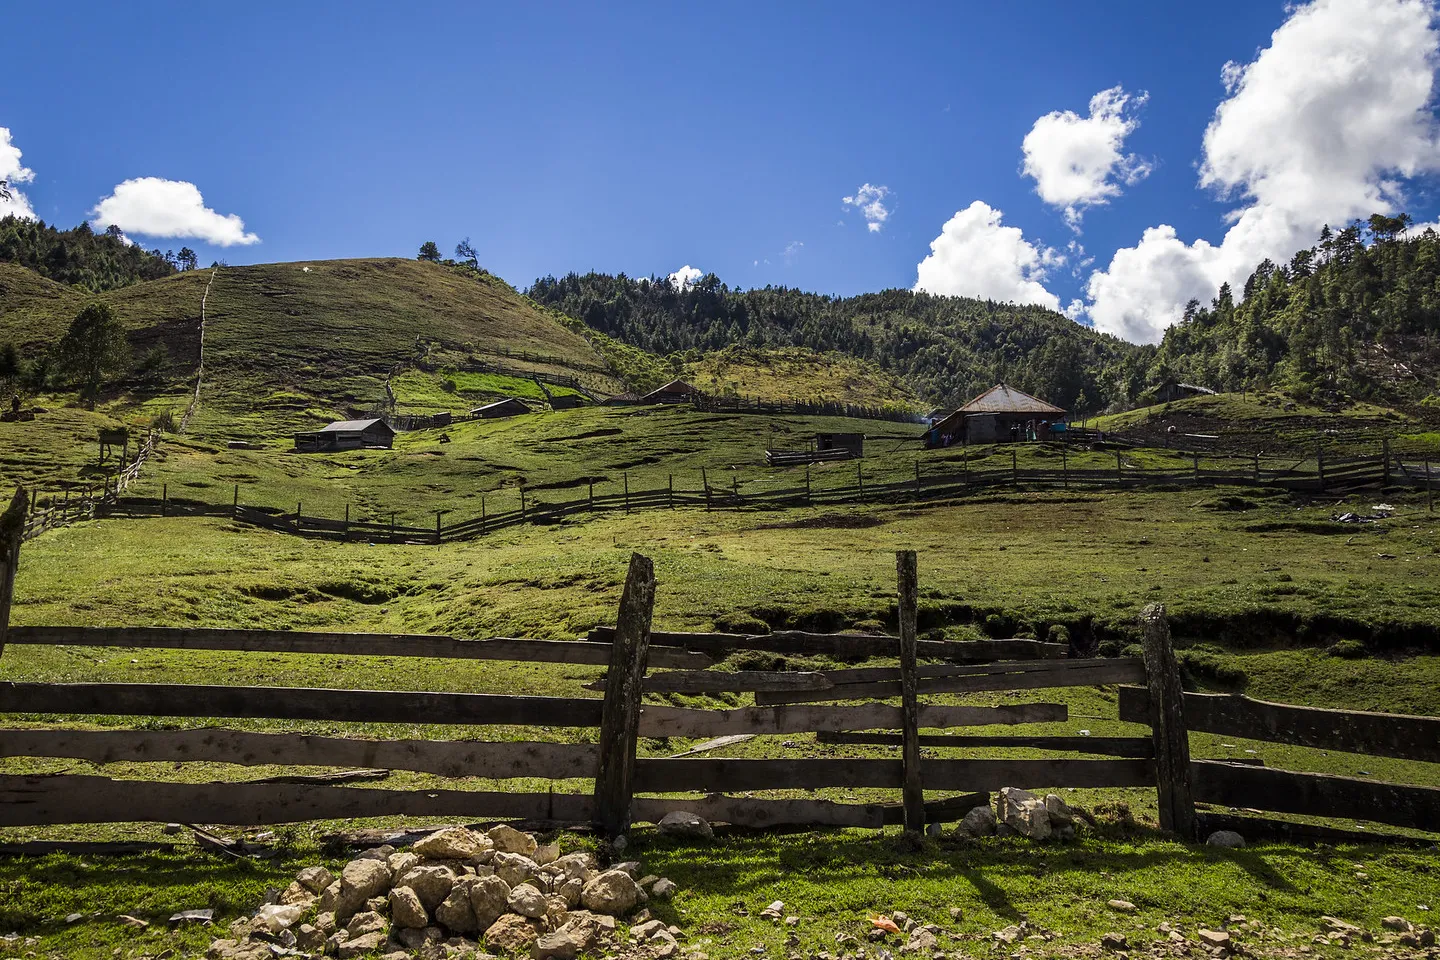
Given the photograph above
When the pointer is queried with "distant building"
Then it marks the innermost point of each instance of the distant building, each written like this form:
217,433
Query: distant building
676,391
620,400
1171,390
509,407
1000,414
851,443
566,401
346,435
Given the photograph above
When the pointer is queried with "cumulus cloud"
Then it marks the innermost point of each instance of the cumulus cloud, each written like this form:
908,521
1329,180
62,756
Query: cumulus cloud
1321,127
156,207
870,201
14,172
792,250
1076,161
685,277
976,256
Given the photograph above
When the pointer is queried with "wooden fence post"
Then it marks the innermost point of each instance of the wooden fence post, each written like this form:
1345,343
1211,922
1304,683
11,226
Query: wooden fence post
917,479
1167,723
592,496
1257,467
392,527
620,714
165,499
297,517
1014,469
235,505
1429,490
345,532
1320,465
1197,467
1065,465
1119,467
672,491
1385,461
12,531
860,480
808,501
706,481
522,504
482,516
909,595
965,462
626,476
437,525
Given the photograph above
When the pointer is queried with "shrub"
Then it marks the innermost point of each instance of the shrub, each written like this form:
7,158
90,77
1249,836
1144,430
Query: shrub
1109,648
1198,665
1132,650
1347,650
1058,633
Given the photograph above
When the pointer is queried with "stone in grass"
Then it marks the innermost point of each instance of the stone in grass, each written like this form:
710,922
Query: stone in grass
360,946
663,889
454,843
1024,813
1228,839
1124,906
686,826
315,879
1114,941
979,822
512,934
1214,938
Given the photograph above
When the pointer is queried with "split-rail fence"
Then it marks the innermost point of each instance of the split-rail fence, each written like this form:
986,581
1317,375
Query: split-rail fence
851,705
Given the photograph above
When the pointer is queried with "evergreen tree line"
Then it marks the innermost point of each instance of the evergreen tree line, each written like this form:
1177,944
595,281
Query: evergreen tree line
1329,323
84,258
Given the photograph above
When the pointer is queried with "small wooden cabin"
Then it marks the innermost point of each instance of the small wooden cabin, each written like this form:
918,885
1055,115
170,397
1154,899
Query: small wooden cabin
1000,414
852,443
676,391
1167,392
346,435
509,407
566,401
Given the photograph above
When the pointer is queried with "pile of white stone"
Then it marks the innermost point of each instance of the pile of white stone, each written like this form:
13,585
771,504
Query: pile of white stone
1020,812
444,897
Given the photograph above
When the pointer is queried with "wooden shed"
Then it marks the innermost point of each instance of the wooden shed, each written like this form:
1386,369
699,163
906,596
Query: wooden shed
676,391
1000,414
851,443
509,407
346,435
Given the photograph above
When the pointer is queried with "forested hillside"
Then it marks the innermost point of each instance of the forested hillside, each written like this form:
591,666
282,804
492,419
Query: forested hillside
82,257
947,348
1358,314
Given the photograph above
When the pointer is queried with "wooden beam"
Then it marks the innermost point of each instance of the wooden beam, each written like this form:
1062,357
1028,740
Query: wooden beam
448,758
296,703
847,646
1352,731
727,681
1139,747
760,814
1264,828
730,775
620,719
1319,795
1167,722
12,532
908,592
37,800
1064,673
666,721
351,644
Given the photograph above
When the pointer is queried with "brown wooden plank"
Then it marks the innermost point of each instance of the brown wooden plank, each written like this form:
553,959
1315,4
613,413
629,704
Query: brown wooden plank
666,721
349,644
1063,673
84,848
448,758
12,532
1265,828
931,671
728,681
295,703
1139,747
715,774
620,720
36,800
1284,791
1167,723
908,592
1352,731
847,646
746,812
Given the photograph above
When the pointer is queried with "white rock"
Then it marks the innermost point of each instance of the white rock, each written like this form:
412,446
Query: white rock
506,839
1024,813
406,910
614,892
527,901
278,916
454,843
514,868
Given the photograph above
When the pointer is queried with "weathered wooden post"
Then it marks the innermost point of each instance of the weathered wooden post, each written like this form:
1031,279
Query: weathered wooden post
908,582
592,496
437,525
1065,465
705,480
522,504
297,517
165,500
482,516
808,501
1385,461
860,480
1014,469
345,531
626,477
1167,724
965,462
1429,488
392,527
12,531
1119,467
1320,465
620,713
1257,466
672,491
917,479
235,505
1197,467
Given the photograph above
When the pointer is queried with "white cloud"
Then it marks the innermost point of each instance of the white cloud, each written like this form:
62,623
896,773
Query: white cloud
14,172
168,208
685,277
975,256
1322,127
870,201
1076,161
792,250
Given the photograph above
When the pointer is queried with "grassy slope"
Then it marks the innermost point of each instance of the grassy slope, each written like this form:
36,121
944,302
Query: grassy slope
798,374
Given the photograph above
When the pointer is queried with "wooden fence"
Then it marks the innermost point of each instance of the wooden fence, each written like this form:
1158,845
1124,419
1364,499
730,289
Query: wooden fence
523,506
844,705
68,506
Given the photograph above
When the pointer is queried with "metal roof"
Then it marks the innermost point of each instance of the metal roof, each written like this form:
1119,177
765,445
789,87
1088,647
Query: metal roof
501,403
358,426
1003,399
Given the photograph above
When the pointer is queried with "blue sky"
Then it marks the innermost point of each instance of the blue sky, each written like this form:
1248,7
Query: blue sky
644,137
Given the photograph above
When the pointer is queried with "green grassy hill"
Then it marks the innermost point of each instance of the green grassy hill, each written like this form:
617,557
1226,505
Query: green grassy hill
796,373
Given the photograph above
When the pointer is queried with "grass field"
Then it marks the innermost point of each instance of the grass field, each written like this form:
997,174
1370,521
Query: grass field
798,374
